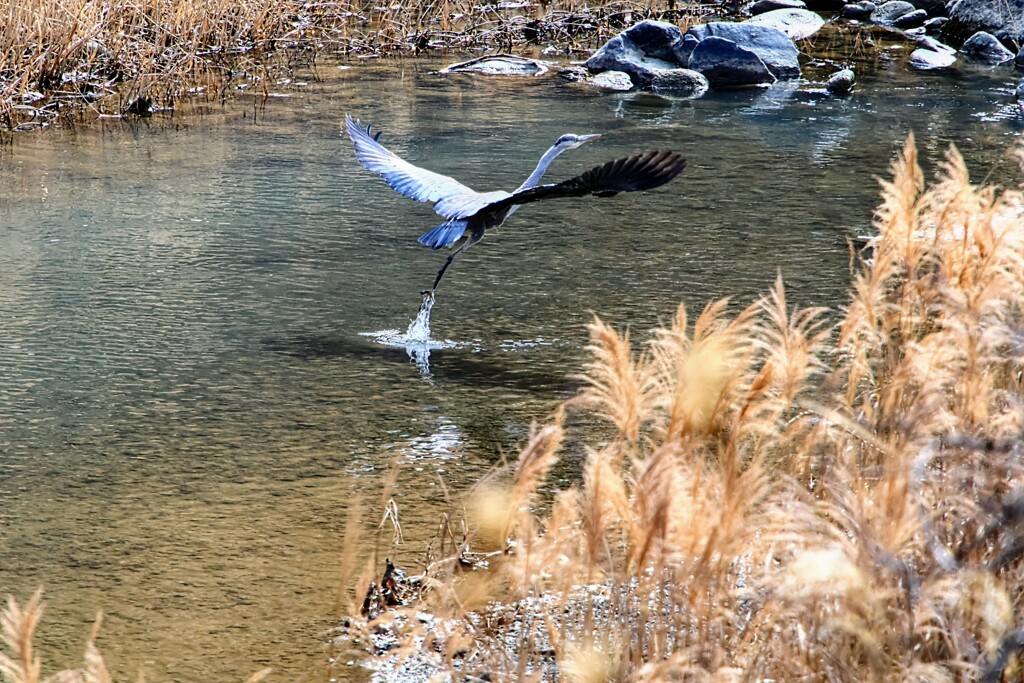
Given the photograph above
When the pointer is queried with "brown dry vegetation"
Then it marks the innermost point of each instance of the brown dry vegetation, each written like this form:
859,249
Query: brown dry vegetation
129,56
782,499
20,664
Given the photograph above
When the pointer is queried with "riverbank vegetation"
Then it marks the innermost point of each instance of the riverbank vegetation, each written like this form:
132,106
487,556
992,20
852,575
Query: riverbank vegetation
781,498
129,58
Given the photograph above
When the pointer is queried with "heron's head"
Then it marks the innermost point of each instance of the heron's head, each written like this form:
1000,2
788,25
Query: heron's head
570,141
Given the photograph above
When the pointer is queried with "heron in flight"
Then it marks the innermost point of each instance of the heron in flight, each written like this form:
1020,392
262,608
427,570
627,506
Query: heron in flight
466,210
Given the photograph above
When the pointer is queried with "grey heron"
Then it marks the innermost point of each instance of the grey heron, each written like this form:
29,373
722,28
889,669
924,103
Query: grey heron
466,210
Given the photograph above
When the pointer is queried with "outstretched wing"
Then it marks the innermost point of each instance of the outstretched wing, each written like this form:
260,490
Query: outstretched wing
409,180
643,171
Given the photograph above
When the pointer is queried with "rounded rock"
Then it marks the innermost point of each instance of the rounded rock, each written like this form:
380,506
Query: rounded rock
611,80
986,48
841,82
795,23
924,59
913,19
762,6
574,74
858,11
498,65
773,47
887,13
728,65
681,82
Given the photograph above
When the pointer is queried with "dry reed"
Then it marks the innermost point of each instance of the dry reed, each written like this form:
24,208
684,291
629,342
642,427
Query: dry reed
20,664
782,500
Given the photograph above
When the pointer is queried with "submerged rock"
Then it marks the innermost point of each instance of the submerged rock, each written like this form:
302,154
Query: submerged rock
499,65
795,23
680,82
924,59
985,47
1018,61
574,74
887,13
728,65
841,82
1002,18
611,80
859,11
772,46
762,6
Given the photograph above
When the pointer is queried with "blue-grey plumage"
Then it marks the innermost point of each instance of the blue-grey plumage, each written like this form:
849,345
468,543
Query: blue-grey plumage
467,210
445,235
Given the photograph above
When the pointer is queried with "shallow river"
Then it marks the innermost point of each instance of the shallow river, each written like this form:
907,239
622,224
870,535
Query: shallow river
189,402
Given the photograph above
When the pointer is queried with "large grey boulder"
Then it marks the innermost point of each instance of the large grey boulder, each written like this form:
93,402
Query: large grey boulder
1018,61
728,65
620,54
680,82
657,39
641,51
795,23
773,47
985,47
887,13
1002,18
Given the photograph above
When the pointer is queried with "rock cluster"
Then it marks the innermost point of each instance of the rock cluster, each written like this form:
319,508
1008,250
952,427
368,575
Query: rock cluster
988,32
657,55
760,51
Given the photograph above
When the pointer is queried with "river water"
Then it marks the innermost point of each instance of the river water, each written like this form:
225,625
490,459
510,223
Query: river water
191,392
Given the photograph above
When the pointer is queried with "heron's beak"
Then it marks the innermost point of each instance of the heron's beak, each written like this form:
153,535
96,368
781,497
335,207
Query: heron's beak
589,138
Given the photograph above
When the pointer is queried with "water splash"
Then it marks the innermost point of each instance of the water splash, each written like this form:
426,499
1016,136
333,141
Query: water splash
416,340
419,328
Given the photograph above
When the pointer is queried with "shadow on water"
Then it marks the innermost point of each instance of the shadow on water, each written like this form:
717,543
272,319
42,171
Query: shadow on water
470,366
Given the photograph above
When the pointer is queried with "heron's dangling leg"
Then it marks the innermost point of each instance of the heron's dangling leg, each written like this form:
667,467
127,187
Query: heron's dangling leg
440,273
473,239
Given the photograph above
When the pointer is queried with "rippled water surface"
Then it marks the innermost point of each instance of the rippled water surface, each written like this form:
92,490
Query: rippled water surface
191,389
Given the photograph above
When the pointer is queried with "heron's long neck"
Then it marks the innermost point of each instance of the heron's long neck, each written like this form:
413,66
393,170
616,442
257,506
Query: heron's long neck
538,172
